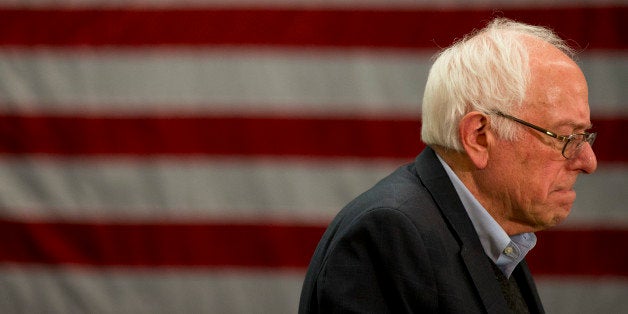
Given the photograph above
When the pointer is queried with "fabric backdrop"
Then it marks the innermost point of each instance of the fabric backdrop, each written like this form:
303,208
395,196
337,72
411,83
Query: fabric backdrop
163,156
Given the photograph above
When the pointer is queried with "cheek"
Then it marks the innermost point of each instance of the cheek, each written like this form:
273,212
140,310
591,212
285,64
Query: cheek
540,180
535,178
539,201
528,177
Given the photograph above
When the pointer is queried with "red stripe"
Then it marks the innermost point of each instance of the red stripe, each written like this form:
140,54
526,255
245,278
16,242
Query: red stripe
208,135
158,245
611,144
590,27
559,252
580,252
262,136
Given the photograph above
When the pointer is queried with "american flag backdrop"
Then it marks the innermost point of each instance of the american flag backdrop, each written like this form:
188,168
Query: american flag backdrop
163,156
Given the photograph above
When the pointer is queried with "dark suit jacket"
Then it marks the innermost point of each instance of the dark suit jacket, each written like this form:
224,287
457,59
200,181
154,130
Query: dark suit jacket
407,246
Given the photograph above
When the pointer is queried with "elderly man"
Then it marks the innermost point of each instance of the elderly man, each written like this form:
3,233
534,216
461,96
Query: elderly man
505,117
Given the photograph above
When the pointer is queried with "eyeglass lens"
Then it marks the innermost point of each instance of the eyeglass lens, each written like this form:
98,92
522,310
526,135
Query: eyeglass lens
575,142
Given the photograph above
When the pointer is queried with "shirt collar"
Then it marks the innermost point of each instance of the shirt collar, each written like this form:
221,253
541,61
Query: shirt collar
505,251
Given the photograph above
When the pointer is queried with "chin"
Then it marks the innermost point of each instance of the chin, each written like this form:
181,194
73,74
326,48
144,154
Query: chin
560,216
557,221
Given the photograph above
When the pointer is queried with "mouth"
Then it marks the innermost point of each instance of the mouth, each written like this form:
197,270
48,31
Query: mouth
566,195
564,190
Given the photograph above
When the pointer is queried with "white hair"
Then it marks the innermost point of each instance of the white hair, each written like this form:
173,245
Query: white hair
487,70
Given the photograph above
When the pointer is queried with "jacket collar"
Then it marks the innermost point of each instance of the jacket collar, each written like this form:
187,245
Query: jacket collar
435,179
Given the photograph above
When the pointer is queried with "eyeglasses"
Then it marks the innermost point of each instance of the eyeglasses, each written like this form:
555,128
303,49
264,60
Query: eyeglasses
573,142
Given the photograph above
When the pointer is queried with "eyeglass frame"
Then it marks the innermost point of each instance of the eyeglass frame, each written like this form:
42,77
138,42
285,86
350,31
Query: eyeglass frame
588,137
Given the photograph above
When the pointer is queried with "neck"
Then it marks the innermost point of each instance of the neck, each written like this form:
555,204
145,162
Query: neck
496,203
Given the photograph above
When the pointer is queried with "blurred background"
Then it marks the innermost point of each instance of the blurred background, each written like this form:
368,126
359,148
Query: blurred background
163,156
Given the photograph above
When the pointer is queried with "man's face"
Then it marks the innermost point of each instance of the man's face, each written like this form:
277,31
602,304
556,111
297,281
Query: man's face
531,181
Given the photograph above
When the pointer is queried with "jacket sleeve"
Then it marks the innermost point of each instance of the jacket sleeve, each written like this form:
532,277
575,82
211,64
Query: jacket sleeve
379,264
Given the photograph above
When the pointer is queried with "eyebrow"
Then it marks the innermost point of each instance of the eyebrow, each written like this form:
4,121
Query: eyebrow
574,125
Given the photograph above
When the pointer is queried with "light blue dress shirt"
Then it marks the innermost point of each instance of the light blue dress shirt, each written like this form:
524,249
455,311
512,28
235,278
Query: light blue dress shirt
505,251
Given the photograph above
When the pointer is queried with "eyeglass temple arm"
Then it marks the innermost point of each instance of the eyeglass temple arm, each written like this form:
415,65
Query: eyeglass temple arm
538,128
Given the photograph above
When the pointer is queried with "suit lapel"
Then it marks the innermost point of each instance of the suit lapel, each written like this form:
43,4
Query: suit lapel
438,183
528,288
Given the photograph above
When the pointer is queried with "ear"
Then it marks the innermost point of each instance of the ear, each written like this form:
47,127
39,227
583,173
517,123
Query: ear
473,130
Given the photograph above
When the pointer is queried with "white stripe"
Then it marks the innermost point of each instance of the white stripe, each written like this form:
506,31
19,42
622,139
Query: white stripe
601,195
76,290
247,189
50,290
234,81
607,75
583,295
180,81
375,4
182,189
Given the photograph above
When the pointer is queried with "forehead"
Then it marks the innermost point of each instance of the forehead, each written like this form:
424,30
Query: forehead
557,94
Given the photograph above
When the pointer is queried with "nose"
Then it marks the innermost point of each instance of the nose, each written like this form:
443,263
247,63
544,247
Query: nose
585,159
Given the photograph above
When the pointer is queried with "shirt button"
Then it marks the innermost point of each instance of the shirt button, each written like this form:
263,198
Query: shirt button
508,250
